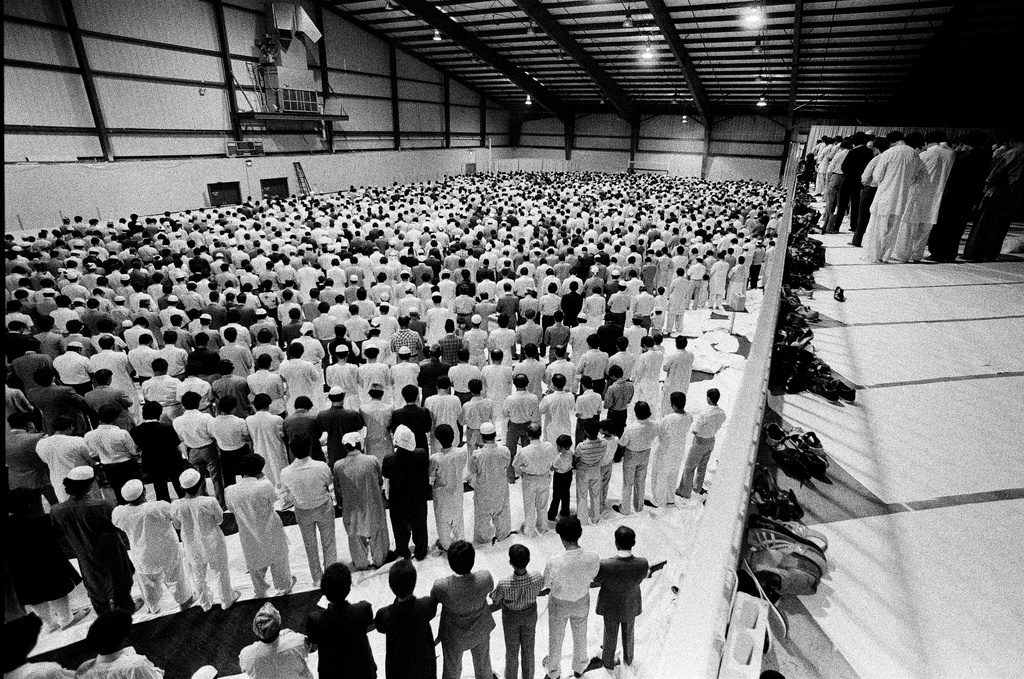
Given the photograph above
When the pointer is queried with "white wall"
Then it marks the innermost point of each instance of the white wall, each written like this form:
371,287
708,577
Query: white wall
37,195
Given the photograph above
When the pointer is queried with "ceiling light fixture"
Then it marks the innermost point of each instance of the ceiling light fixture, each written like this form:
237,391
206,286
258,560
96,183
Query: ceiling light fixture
763,101
529,101
437,35
758,45
685,119
628,23
754,17
388,5
648,52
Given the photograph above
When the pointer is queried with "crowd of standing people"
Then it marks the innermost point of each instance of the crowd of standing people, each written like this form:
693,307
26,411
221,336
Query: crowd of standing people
911,193
367,353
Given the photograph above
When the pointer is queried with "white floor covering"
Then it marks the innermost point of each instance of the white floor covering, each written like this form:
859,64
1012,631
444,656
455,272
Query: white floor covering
932,593
662,534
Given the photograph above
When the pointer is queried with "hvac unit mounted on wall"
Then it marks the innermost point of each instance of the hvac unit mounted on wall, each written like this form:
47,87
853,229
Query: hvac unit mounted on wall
245,149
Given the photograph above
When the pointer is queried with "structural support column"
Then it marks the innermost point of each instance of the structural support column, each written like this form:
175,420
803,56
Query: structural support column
569,129
446,86
706,159
87,80
225,60
634,142
483,120
396,129
325,78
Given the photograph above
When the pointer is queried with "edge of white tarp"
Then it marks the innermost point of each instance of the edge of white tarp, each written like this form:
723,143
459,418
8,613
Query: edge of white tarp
695,637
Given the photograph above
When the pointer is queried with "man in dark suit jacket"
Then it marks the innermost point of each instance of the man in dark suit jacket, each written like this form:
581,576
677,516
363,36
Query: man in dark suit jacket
408,468
340,631
430,370
406,625
416,417
618,601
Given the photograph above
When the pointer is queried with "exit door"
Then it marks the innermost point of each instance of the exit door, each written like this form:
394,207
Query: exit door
274,188
224,193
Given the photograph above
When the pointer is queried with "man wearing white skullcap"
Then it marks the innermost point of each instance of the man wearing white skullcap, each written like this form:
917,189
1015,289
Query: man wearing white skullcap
357,477
489,477
198,517
407,468
155,548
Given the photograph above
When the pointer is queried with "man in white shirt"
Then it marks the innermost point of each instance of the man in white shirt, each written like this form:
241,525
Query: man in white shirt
73,368
115,449
568,577
62,452
705,426
193,428
306,484
533,463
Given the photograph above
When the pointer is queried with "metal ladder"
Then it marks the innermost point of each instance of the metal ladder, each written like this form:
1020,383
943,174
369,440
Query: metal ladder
303,183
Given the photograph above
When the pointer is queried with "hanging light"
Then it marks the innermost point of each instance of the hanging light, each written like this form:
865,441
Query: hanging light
388,5
758,45
754,17
763,101
529,100
628,23
437,35
647,52
685,119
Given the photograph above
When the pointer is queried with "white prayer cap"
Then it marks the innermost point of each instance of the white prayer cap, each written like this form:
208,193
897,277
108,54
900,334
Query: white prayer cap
205,672
353,438
74,344
172,298
375,321
336,393
404,351
477,320
189,478
132,490
126,323
261,312
71,275
341,349
404,438
307,327
205,317
119,299
82,473
354,278
384,297
487,428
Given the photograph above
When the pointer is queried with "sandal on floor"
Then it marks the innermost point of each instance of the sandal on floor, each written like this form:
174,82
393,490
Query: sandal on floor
812,443
839,295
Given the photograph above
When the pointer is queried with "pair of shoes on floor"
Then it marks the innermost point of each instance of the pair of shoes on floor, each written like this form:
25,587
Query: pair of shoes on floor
839,294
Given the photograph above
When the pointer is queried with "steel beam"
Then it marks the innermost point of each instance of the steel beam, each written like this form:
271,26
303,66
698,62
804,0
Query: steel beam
483,120
87,80
446,95
225,61
396,123
618,97
325,80
668,29
428,12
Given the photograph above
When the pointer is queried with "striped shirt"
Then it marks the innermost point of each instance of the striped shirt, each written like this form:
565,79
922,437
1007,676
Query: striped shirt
518,592
591,452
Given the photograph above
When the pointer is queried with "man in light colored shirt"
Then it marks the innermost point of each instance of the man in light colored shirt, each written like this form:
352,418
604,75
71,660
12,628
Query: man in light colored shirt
231,436
115,449
115,659
163,389
73,368
266,431
637,440
278,653
533,463
521,409
62,452
447,475
568,576
193,428
493,516
306,483
705,426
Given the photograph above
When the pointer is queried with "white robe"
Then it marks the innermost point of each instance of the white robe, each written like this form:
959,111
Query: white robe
916,225
260,530
558,409
668,456
897,171
267,433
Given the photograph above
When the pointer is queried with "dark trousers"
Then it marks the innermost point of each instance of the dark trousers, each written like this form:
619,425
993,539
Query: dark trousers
108,588
119,474
515,435
581,434
755,275
612,625
159,481
464,396
618,418
849,198
229,460
520,629
867,195
560,484
83,388
410,521
207,461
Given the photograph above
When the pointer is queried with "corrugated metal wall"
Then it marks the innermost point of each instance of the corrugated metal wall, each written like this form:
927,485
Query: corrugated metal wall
159,79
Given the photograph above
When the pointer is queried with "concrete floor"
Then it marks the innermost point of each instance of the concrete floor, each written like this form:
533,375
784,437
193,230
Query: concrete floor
925,510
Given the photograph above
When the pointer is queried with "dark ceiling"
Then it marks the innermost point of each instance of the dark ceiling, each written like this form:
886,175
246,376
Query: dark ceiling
810,58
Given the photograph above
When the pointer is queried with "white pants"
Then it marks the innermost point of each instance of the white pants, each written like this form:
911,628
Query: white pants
575,613
880,237
588,495
219,568
536,493
665,466
448,514
172,578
